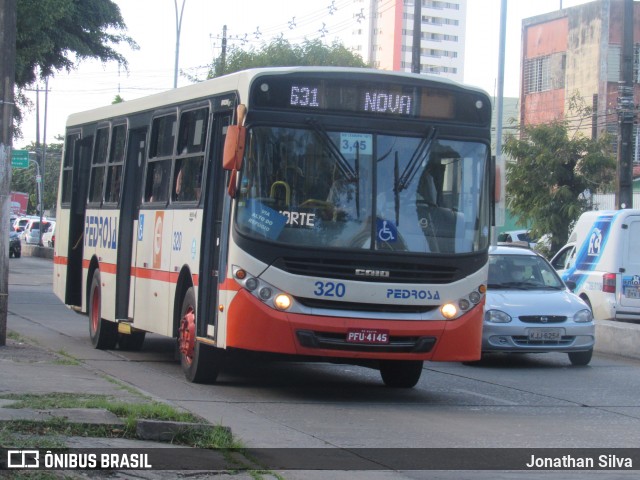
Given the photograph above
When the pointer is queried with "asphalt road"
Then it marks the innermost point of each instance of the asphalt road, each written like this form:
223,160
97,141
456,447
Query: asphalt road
527,401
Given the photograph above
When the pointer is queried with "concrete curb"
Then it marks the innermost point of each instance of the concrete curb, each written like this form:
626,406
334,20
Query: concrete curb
618,338
37,251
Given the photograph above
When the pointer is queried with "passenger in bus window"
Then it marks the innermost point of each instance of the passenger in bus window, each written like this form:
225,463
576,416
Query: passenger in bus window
187,186
158,192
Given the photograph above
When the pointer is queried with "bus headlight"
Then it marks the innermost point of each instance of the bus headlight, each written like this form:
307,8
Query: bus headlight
265,292
282,301
251,284
449,311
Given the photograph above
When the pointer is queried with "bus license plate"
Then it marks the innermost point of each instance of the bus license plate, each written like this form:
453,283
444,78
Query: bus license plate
545,334
631,292
368,335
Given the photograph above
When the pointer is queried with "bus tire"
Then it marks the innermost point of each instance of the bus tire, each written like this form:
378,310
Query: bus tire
103,333
132,341
200,362
400,373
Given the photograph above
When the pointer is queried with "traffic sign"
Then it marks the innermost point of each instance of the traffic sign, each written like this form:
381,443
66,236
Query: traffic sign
20,158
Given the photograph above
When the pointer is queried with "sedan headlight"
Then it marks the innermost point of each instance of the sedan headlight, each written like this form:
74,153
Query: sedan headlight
583,316
496,316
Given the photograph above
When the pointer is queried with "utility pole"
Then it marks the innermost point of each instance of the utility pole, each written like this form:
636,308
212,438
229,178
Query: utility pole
178,28
7,82
417,36
223,55
626,114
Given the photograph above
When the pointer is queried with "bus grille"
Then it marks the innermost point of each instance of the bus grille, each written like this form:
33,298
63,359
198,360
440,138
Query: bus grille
377,271
364,307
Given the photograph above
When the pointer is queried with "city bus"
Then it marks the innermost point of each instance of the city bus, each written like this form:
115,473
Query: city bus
316,213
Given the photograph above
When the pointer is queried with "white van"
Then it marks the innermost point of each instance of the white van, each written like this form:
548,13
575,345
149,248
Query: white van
602,258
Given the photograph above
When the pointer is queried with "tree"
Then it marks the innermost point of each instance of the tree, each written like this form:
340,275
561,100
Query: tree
54,35
24,180
550,175
280,53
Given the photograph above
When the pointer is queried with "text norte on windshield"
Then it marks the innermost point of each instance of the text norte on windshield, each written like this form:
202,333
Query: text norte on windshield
100,231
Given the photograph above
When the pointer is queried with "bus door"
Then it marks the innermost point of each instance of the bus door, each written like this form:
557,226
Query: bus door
80,181
215,230
129,209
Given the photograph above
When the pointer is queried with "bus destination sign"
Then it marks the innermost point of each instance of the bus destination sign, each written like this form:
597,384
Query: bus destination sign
380,101
398,99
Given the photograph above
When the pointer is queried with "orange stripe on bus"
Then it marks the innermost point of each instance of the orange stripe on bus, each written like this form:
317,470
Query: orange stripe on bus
146,273
60,260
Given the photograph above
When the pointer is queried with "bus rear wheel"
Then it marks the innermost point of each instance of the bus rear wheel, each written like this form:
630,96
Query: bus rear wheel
103,333
400,373
200,362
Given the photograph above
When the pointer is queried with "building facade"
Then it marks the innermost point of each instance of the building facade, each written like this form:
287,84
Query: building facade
575,53
383,35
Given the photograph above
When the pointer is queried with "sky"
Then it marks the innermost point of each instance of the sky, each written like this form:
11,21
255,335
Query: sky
152,24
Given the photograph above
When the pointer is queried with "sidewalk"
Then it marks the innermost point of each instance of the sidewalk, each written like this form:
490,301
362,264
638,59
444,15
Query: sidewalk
26,368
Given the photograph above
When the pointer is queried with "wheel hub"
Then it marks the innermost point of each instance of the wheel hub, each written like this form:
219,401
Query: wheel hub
187,340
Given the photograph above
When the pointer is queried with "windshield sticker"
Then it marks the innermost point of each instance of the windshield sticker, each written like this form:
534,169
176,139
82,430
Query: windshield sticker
387,231
352,142
262,219
299,219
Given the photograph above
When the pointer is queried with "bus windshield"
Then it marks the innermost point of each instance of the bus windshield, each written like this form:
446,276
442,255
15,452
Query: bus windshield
351,190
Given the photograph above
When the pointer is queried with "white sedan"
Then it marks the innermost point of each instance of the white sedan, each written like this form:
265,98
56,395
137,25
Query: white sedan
529,309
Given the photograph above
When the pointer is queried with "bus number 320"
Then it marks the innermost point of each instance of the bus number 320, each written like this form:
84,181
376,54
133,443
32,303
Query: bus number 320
329,289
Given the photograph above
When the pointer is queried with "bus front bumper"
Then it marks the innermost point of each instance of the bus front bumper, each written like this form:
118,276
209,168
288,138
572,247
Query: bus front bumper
251,325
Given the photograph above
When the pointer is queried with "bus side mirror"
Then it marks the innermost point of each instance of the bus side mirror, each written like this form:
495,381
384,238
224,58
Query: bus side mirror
233,147
234,141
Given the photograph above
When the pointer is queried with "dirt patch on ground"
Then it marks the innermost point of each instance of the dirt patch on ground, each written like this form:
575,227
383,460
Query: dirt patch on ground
21,352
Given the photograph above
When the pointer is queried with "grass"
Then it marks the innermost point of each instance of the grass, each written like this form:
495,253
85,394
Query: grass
66,359
130,413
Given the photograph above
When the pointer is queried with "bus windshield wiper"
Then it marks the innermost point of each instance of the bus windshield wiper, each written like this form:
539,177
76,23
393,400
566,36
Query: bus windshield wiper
422,150
346,169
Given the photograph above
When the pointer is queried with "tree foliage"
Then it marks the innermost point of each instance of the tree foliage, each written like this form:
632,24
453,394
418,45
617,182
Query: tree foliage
550,174
53,34
280,53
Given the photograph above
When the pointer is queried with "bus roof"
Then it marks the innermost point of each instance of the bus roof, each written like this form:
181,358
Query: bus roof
238,81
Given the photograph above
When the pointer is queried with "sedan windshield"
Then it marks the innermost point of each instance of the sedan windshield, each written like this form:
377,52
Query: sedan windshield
522,272
341,189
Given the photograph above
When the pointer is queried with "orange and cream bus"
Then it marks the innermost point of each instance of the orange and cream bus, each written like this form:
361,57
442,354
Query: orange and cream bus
324,213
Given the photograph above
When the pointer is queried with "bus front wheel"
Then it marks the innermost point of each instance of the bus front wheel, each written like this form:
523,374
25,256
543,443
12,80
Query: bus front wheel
400,373
103,333
200,362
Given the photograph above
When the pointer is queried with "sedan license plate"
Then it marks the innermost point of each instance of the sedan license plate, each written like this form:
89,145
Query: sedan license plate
545,334
368,335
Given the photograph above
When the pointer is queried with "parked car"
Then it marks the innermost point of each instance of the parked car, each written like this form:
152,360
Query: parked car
49,237
529,309
31,233
517,237
15,248
20,223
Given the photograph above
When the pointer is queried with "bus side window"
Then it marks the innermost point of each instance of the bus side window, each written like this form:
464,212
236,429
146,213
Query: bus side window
98,165
116,160
157,181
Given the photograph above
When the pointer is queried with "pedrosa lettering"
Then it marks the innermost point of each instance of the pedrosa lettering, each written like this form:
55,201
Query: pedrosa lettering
101,232
404,293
